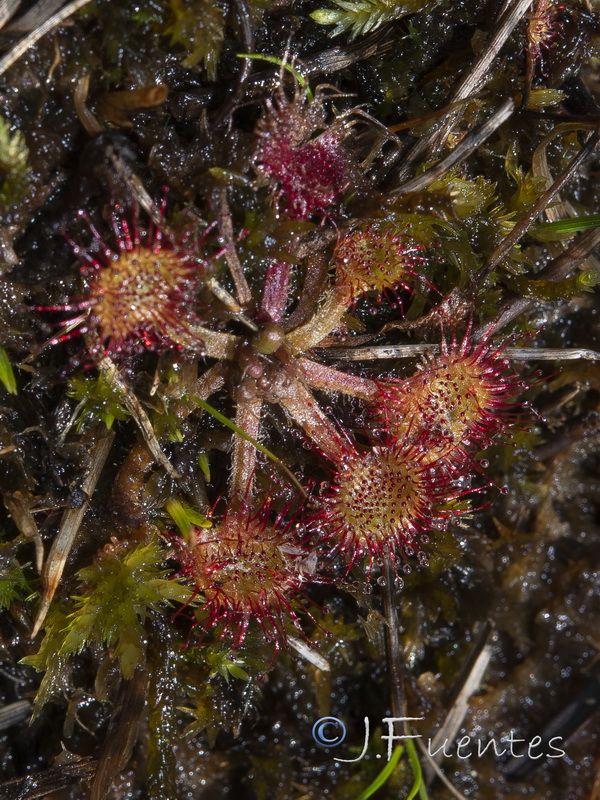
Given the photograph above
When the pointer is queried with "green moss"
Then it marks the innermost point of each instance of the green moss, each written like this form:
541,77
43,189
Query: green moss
14,166
469,196
199,26
12,580
185,517
98,400
362,16
552,290
529,187
117,593
212,696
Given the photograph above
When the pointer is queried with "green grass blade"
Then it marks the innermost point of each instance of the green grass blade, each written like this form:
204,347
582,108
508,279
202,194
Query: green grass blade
570,225
236,429
280,63
383,775
7,376
185,517
418,786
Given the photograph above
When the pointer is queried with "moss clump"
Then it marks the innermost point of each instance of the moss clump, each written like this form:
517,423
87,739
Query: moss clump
14,166
117,594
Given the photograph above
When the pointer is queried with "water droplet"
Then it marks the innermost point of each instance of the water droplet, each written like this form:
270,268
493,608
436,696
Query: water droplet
381,581
407,569
398,582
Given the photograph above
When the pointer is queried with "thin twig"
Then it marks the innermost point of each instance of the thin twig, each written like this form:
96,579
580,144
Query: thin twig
415,350
244,295
468,684
7,9
509,17
471,142
392,639
507,22
137,411
558,269
434,767
527,220
52,22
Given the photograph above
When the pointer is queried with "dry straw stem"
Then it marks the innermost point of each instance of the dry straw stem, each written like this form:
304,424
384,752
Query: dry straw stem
122,735
415,350
471,142
509,17
468,684
52,22
61,775
69,525
18,508
135,408
14,713
438,772
7,9
559,268
34,17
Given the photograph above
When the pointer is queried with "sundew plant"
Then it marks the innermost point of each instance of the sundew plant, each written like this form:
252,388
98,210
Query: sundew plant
299,399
